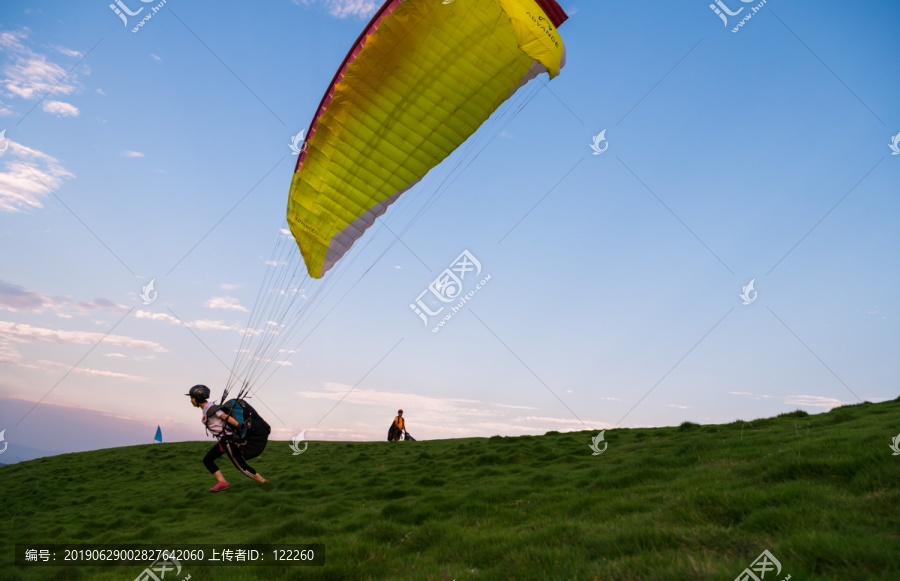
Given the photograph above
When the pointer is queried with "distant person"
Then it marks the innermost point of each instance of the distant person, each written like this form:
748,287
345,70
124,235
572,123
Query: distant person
398,428
226,429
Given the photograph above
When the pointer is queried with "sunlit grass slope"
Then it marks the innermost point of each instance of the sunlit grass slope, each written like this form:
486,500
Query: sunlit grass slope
688,502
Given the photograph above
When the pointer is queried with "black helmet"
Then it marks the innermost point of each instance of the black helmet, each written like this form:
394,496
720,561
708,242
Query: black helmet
199,392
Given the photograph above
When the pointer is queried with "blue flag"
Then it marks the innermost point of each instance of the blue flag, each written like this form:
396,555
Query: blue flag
158,437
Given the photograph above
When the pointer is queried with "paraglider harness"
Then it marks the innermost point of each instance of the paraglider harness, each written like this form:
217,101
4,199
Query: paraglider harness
244,413
393,432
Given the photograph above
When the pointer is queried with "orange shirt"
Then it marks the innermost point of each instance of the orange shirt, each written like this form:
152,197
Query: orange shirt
398,421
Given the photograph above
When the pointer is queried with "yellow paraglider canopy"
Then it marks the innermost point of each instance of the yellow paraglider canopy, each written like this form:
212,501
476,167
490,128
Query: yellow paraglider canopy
420,80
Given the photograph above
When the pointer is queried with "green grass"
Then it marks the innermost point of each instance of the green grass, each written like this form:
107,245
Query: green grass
690,502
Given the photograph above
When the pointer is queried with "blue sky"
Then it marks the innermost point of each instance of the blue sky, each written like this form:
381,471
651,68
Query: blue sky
761,155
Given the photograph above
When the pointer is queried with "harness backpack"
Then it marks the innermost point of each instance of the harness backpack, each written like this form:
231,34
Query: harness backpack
244,413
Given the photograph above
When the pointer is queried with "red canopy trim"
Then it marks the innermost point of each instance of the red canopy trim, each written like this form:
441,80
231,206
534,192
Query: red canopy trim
357,47
554,11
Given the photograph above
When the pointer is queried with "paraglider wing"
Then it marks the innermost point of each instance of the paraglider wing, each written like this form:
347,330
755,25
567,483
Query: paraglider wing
421,78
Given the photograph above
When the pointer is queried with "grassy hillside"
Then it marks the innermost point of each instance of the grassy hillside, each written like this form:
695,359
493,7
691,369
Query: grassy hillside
690,502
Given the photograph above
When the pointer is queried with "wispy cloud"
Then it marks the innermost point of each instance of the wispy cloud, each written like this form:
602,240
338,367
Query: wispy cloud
455,416
346,8
68,52
89,371
16,298
751,395
132,154
60,109
8,353
20,333
24,333
24,183
551,421
515,407
204,324
813,401
216,325
228,303
157,317
30,75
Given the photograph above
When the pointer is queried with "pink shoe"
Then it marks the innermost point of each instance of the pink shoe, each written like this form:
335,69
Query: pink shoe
219,487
